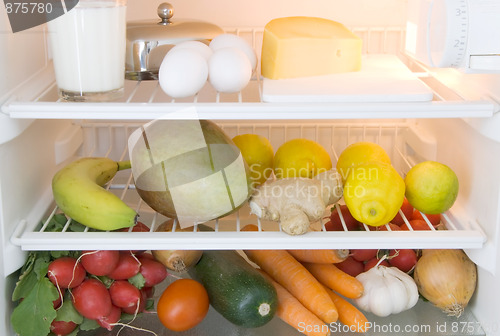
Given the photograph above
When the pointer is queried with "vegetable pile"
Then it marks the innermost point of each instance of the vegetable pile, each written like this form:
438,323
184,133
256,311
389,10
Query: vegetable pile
67,291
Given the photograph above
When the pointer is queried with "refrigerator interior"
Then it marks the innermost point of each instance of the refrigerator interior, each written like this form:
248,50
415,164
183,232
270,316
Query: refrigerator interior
38,134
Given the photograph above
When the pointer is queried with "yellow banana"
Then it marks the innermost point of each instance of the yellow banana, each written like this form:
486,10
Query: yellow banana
78,192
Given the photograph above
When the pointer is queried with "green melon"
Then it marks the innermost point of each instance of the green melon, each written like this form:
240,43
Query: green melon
189,169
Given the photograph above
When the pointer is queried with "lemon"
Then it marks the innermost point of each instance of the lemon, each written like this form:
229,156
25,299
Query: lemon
358,153
258,154
431,187
301,158
374,192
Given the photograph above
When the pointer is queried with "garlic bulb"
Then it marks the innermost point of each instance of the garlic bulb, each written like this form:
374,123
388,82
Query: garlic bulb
387,290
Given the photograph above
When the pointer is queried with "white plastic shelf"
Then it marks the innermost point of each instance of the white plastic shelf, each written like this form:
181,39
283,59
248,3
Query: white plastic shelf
37,97
144,100
399,139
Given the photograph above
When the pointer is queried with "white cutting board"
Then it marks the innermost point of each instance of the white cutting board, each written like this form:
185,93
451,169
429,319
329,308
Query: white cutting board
382,78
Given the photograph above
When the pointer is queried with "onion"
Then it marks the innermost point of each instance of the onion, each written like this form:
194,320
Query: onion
176,260
447,278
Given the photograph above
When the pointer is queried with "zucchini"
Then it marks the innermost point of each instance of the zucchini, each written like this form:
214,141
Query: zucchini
236,290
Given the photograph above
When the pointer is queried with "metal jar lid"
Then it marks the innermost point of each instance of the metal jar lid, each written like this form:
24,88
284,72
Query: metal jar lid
149,41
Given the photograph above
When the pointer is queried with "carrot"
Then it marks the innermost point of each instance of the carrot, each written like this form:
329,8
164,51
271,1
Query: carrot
336,279
292,312
289,273
320,256
349,315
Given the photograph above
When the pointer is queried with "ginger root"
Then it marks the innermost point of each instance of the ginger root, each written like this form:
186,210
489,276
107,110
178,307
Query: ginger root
296,202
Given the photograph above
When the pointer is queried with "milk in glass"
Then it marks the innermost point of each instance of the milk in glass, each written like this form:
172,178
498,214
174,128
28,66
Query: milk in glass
88,49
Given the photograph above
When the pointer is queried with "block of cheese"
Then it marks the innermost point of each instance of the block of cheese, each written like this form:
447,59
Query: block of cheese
302,46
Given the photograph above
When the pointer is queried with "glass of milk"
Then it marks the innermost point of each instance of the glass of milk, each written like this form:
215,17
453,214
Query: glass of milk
88,50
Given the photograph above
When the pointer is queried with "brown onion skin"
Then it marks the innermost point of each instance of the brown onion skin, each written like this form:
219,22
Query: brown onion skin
176,260
447,278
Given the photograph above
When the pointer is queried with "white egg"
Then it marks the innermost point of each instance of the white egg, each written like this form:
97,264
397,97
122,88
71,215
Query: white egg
229,70
199,46
183,72
231,40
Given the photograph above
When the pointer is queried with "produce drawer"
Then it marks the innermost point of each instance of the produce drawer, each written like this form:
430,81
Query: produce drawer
402,141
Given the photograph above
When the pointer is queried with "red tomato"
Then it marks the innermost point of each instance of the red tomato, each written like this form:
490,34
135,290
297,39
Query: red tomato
66,272
100,262
407,210
372,262
393,227
351,266
417,225
434,219
335,224
364,254
404,259
183,305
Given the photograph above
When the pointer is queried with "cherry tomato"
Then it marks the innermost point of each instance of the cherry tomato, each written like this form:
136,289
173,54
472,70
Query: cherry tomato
407,210
417,225
335,224
393,227
434,219
183,305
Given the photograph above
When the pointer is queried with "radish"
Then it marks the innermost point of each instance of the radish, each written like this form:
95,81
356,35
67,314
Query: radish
404,259
91,299
135,309
372,262
100,262
66,272
110,320
128,266
351,266
62,328
153,271
123,294
364,254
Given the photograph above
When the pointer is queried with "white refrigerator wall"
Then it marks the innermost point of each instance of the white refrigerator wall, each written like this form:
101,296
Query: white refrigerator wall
28,161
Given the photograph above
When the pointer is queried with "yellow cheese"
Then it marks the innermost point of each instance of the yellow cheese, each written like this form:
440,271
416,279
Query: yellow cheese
308,46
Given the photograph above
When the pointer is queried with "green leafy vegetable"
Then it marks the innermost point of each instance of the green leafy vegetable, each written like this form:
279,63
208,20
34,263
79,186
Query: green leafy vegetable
33,316
37,292
137,280
67,311
89,324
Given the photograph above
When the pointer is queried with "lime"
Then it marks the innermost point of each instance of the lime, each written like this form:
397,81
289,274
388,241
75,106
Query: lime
358,153
301,158
258,154
431,187
374,192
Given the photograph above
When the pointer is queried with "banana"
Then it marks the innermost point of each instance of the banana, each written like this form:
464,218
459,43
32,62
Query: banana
78,192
